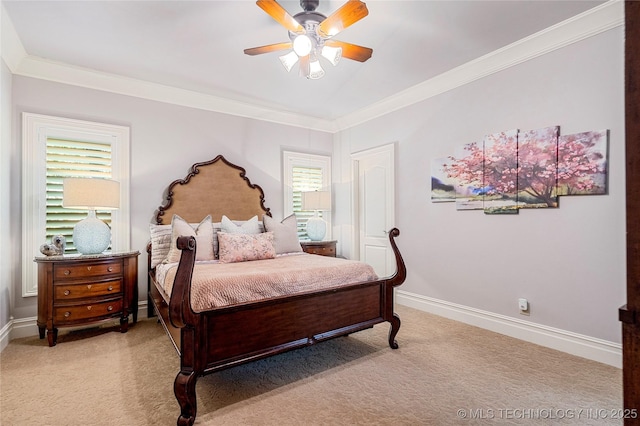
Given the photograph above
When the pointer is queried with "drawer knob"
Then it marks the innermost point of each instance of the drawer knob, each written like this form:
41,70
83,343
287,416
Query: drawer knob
67,314
88,268
67,272
110,288
67,292
109,308
88,286
89,308
110,269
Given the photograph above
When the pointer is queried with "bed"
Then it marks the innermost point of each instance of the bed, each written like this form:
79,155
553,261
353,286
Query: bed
214,333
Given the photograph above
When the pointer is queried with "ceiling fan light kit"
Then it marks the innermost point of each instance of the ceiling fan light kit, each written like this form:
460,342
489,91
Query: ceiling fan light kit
311,35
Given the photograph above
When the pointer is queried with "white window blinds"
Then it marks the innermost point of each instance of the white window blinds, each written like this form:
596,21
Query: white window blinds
305,179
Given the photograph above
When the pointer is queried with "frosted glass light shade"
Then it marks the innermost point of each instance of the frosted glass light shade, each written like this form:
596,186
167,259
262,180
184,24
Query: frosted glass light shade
289,60
302,45
332,54
315,70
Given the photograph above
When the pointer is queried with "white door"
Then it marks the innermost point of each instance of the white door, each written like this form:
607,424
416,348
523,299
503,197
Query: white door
374,195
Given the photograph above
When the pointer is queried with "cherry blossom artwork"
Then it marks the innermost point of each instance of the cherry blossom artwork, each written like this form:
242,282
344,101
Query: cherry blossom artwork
500,173
512,170
442,187
537,168
465,170
582,163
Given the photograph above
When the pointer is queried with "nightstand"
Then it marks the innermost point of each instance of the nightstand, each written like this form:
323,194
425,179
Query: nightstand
323,248
82,289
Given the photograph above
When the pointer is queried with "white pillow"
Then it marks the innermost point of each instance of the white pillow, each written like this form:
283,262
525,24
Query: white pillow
285,233
204,238
251,226
160,242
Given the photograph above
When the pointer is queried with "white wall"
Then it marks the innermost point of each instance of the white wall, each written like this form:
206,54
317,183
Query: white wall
165,141
568,262
6,247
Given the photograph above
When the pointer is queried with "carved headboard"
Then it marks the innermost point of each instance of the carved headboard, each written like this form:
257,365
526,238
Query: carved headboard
215,187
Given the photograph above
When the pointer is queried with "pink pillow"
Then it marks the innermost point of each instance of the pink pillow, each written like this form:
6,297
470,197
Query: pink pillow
244,247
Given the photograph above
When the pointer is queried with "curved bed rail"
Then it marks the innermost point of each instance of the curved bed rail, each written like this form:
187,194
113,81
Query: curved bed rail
401,270
180,312
394,281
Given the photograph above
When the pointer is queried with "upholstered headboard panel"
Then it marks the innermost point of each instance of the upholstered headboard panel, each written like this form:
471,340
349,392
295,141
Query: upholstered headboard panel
215,187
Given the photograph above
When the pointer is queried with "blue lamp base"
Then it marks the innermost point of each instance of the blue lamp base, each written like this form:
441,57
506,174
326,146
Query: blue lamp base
91,235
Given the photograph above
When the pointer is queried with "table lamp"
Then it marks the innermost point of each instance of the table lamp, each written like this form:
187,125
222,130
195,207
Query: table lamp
91,235
316,200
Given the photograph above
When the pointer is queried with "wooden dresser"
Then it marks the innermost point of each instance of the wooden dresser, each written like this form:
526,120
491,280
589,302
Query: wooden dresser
323,248
83,289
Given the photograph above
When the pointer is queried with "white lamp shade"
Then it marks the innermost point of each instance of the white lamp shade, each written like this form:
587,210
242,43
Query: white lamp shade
86,193
316,200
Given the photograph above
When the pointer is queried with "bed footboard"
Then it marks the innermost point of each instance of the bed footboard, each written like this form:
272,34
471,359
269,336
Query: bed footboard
226,337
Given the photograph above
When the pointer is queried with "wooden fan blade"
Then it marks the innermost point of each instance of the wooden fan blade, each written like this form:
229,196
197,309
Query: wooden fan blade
268,48
278,13
350,13
351,51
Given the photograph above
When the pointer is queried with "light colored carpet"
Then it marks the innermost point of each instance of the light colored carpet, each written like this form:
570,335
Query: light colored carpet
444,373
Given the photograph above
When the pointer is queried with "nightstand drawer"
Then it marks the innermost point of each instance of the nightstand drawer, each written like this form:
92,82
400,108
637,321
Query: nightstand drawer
98,269
322,251
76,291
71,313
322,248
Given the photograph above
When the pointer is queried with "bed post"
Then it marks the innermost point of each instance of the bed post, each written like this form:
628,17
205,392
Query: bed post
394,281
182,316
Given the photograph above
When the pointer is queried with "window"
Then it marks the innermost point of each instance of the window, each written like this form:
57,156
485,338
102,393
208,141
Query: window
55,148
305,172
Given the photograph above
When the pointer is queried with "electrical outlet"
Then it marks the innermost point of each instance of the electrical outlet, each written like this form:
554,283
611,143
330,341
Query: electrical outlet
523,305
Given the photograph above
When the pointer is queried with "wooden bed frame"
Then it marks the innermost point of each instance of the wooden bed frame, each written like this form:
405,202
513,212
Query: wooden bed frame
225,337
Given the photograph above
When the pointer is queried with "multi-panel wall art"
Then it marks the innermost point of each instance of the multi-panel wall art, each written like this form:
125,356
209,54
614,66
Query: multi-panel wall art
513,170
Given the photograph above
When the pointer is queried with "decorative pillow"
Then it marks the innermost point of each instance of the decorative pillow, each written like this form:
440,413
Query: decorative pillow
245,247
217,227
160,242
251,226
204,238
285,233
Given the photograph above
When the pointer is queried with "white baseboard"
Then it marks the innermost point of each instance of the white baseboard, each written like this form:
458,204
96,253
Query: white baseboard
566,341
27,327
4,335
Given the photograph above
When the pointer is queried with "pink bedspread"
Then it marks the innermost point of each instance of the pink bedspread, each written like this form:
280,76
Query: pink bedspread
216,285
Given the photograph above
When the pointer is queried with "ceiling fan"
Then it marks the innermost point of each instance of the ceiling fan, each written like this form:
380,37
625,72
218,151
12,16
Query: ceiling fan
311,34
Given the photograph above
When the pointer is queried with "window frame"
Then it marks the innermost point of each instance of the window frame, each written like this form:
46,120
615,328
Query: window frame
291,159
36,129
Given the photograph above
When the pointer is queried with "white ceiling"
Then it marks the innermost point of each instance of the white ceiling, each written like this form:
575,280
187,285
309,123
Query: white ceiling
198,45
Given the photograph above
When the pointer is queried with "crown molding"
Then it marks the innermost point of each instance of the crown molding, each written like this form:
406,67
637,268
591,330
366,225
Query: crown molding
592,22
587,24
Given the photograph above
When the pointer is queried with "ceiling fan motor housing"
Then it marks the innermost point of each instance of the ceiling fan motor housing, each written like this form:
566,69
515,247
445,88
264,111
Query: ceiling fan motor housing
309,5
